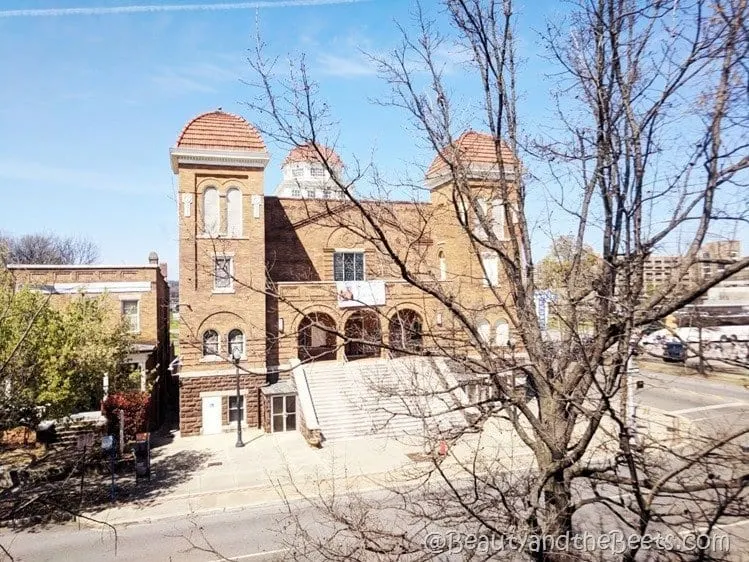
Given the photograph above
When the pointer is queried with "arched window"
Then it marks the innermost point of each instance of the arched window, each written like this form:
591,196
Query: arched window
210,343
316,337
406,334
234,213
462,209
498,218
211,213
484,329
443,266
502,333
478,229
236,341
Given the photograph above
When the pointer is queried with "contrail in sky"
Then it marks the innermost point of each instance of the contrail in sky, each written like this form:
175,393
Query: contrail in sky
104,11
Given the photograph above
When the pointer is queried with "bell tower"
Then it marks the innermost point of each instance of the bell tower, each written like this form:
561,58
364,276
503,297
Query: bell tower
220,161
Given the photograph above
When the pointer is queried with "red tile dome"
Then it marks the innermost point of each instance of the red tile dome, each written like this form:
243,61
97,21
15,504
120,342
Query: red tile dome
471,147
307,153
218,130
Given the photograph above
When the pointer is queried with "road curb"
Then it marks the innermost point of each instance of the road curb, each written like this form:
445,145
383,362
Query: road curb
90,520
690,372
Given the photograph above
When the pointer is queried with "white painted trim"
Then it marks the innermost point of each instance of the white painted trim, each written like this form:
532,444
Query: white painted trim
94,287
22,266
481,172
224,158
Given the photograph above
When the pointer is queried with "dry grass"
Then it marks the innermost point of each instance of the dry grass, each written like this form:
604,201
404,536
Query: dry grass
18,447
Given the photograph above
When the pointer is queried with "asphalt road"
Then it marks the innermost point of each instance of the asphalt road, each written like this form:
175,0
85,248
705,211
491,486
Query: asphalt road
257,533
240,535
696,398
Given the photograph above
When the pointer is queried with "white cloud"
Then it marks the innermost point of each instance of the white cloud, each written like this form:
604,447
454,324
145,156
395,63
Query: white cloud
448,59
346,67
203,77
121,10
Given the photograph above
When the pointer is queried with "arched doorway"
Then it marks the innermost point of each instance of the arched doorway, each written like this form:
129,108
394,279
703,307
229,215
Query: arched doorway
316,338
363,326
405,332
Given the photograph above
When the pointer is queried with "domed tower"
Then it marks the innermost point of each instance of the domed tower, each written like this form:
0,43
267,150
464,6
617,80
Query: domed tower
477,155
485,169
305,174
219,159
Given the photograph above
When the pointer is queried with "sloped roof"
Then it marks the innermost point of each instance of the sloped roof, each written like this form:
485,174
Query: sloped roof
307,153
218,130
472,147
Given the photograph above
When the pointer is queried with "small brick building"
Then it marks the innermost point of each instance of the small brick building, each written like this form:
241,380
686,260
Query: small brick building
137,292
276,280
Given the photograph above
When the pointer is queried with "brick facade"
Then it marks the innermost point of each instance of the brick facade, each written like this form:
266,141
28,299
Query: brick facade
145,284
283,268
153,304
192,389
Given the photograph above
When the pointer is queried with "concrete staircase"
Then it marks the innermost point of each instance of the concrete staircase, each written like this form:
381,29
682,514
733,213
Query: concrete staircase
398,398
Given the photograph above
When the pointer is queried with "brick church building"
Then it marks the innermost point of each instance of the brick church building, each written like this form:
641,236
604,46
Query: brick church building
290,291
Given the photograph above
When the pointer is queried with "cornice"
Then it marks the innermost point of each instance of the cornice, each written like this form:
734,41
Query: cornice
223,158
473,172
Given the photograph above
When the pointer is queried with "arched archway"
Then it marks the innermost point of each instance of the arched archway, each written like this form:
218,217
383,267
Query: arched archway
405,332
363,326
316,338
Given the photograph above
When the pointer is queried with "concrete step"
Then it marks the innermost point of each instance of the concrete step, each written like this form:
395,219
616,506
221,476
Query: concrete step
349,403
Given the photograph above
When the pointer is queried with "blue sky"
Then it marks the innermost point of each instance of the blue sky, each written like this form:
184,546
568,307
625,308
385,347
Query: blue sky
91,103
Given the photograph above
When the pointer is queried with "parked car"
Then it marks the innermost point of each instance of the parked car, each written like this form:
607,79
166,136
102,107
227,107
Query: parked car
675,351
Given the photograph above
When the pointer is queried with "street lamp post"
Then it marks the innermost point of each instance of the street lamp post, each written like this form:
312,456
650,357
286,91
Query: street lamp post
236,355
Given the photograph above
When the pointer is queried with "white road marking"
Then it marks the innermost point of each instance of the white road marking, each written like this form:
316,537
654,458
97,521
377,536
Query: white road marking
705,408
734,524
253,555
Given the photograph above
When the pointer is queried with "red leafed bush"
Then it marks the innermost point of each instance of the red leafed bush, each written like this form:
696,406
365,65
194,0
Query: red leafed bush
135,404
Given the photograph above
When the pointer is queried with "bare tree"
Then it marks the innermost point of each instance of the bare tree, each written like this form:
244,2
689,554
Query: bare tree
48,248
650,151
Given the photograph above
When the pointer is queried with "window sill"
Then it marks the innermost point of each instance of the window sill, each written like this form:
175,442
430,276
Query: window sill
219,359
211,359
205,236
223,291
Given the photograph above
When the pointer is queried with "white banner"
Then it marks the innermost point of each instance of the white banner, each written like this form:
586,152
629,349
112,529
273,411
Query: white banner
360,293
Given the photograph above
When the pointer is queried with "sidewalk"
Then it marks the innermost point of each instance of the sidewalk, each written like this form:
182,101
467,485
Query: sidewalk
209,474
199,474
